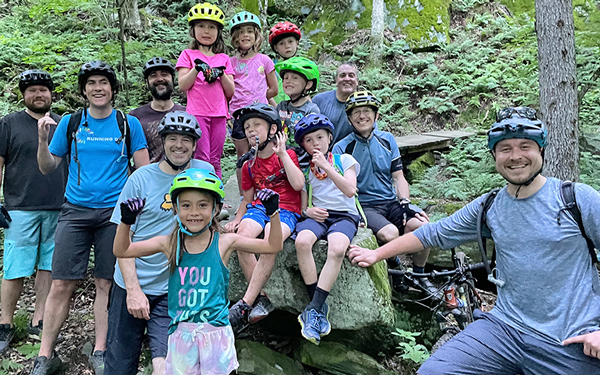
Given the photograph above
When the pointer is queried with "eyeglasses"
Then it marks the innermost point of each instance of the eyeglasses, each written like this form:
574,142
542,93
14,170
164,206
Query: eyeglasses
525,112
365,111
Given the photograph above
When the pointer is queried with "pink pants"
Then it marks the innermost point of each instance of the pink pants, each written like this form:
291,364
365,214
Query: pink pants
210,145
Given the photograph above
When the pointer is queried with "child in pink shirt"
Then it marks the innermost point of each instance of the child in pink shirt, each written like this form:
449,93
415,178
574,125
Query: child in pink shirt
205,73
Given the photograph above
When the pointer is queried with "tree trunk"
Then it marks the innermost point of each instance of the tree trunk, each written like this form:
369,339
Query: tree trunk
377,26
558,86
131,16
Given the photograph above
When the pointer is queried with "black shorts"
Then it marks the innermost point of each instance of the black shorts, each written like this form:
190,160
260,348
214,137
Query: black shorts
390,212
78,229
126,333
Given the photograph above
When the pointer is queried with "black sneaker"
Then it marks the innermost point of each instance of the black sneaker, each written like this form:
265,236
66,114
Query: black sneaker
261,309
97,361
7,332
45,366
35,330
429,287
238,316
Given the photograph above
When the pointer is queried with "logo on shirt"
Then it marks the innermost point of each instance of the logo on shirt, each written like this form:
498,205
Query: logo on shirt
167,205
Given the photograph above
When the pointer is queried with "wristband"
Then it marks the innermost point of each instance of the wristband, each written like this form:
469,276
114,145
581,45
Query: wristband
304,214
274,213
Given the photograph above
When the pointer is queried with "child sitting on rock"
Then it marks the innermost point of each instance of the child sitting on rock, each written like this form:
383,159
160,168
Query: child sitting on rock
331,185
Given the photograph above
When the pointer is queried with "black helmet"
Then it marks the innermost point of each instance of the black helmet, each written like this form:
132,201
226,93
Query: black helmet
180,122
260,110
97,67
35,77
157,63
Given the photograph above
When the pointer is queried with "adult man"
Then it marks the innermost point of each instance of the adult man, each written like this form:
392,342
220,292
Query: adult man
138,300
29,240
383,191
550,300
333,103
159,74
98,163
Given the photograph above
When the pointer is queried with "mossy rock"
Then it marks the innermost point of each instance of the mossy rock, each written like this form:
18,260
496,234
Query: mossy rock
450,208
418,167
257,359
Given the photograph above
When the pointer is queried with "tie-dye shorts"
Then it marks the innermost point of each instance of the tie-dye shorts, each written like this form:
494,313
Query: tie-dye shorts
201,348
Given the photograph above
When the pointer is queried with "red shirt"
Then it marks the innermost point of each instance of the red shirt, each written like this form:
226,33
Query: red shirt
269,174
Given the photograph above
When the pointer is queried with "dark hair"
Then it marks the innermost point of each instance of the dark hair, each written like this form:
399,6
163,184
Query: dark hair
217,47
258,38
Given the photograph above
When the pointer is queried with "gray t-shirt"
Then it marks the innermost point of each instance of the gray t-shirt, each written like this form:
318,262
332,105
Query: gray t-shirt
156,219
291,115
552,290
335,111
25,187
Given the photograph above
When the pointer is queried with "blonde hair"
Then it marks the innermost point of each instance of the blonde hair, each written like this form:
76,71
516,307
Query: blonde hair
217,47
258,38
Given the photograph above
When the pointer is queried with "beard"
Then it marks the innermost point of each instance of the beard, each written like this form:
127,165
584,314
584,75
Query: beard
165,94
38,109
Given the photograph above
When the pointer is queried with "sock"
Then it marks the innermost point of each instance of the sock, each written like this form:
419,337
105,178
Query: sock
311,290
418,269
318,300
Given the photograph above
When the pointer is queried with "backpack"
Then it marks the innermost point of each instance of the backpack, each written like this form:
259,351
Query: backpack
567,195
337,165
73,126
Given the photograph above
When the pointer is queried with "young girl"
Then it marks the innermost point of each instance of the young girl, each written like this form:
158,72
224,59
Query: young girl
200,337
205,73
283,39
331,181
255,78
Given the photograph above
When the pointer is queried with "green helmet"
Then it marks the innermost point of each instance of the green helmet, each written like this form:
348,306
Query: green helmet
302,66
195,178
244,18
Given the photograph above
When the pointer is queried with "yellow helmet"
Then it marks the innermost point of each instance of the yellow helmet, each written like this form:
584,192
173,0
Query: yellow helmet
206,11
362,98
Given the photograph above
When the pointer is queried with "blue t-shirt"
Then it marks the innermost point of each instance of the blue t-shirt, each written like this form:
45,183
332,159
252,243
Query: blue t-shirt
103,168
156,219
552,289
198,289
335,111
378,157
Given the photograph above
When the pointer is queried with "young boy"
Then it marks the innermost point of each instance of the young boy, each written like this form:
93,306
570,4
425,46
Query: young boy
284,38
300,77
275,168
332,179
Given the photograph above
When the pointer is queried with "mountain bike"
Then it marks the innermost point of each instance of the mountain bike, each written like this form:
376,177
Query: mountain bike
456,296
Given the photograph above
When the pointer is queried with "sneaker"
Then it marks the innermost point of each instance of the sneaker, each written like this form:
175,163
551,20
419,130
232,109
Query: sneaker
97,361
424,283
7,332
35,330
311,326
324,321
261,309
45,366
238,316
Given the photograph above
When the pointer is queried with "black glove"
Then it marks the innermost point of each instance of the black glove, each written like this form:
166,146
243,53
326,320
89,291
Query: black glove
213,73
247,156
130,209
270,200
201,66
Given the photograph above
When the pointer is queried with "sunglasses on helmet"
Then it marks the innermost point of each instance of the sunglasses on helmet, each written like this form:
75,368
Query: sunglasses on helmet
508,112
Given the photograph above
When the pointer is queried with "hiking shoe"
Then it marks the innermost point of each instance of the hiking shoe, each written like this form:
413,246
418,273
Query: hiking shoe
238,316
261,309
97,361
45,366
430,289
325,326
311,325
6,335
35,330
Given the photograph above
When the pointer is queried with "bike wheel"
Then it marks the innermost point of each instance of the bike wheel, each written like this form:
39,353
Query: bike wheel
468,291
450,333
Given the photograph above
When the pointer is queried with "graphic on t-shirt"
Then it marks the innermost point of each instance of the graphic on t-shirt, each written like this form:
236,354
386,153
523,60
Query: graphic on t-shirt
81,138
241,68
194,287
293,118
261,70
167,205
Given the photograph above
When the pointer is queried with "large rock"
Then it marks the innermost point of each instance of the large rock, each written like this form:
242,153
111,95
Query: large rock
257,359
360,298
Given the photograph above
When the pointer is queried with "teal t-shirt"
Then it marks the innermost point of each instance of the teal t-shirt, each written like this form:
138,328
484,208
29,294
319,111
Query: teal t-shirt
156,219
198,289
103,168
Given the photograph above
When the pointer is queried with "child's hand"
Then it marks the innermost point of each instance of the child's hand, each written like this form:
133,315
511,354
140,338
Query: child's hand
280,141
270,200
201,66
232,226
317,214
130,209
212,74
319,160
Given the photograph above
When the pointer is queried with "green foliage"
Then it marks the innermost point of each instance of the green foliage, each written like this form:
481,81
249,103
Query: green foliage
29,350
8,367
411,351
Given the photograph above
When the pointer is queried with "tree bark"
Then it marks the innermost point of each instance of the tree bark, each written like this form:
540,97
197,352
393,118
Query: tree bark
131,16
558,86
377,27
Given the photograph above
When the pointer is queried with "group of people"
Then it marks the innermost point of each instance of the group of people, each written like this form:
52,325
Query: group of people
309,168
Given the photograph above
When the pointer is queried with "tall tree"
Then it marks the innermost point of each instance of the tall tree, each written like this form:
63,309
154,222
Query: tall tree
377,27
558,86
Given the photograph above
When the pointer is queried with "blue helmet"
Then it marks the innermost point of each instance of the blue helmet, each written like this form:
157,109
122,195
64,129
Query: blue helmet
311,123
517,122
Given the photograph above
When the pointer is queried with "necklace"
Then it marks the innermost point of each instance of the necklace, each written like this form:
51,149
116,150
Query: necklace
317,171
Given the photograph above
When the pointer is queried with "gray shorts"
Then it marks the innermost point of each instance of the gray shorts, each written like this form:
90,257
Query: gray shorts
491,347
78,229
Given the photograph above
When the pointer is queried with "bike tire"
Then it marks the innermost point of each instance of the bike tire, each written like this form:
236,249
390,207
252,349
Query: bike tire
472,302
444,339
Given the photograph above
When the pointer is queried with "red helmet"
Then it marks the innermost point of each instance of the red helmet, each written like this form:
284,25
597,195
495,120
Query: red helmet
283,29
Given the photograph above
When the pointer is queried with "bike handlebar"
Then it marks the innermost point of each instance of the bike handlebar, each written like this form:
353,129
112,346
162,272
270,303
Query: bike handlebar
435,274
